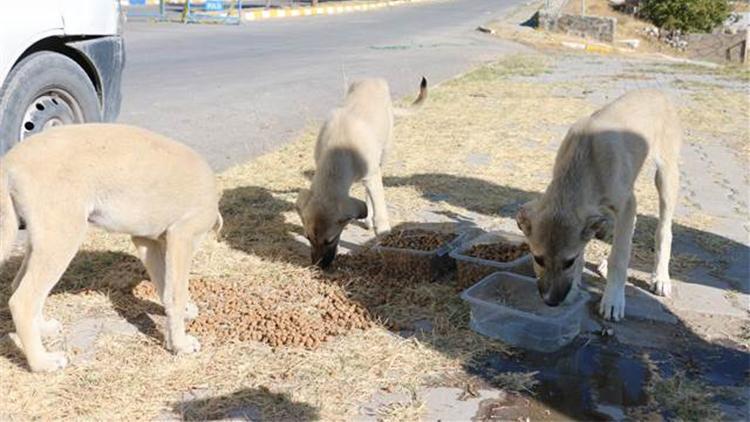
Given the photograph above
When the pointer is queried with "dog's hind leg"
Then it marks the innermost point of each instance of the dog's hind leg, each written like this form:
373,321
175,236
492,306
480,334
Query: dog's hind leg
48,259
178,256
667,184
612,305
151,253
47,327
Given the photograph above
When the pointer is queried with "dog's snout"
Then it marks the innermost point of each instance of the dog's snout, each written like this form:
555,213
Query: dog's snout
323,256
553,293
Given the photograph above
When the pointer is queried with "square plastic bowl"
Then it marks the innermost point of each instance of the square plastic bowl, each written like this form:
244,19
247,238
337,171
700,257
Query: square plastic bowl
507,307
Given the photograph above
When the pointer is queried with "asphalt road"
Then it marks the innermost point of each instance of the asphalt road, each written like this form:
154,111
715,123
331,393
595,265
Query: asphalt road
234,92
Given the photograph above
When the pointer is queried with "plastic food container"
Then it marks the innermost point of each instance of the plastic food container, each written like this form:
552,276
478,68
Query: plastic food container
429,265
471,269
507,307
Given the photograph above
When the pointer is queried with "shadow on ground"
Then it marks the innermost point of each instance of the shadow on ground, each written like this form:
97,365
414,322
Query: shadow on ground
254,224
245,404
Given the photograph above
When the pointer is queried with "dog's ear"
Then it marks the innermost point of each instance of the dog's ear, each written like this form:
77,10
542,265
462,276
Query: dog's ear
523,218
597,225
303,197
353,209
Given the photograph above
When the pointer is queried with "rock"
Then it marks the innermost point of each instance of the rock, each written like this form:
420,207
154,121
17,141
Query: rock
632,43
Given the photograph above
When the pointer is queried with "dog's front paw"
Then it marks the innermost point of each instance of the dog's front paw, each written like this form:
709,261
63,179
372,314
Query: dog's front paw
612,306
661,286
191,311
48,362
188,344
50,327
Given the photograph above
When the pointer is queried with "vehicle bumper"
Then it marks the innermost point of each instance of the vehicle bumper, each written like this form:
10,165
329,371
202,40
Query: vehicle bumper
107,55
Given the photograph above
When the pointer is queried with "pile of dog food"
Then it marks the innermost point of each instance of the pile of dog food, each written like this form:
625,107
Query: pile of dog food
417,239
230,313
500,252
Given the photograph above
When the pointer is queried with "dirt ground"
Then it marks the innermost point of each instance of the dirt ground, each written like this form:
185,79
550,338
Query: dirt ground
483,144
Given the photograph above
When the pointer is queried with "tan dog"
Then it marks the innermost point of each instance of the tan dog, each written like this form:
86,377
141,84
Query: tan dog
122,179
592,189
351,147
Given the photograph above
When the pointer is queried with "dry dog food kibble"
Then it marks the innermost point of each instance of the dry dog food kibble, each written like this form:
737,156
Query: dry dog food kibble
228,312
417,239
501,252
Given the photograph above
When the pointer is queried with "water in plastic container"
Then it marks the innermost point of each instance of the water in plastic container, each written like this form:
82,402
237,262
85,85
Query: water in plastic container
507,307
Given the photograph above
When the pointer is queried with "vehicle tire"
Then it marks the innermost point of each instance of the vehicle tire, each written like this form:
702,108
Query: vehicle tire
43,90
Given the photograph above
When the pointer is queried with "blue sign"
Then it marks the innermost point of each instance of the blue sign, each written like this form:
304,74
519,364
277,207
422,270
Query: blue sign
214,5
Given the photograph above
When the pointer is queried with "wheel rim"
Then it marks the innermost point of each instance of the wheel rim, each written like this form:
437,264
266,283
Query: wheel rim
54,107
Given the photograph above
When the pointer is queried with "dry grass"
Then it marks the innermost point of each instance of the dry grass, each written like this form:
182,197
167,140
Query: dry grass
685,399
500,112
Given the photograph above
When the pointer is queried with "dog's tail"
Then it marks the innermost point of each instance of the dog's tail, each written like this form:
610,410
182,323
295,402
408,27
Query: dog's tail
416,104
8,217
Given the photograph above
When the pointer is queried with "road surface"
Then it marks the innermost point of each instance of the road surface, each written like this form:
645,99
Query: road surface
234,92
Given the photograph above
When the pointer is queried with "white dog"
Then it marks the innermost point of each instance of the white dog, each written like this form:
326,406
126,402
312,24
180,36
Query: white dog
592,190
351,147
122,179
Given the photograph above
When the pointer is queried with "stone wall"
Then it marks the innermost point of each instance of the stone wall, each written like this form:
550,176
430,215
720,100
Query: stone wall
719,47
596,27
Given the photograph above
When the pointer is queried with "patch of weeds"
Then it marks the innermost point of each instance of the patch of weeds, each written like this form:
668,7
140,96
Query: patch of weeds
519,65
730,72
516,381
686,399
736,73
695,85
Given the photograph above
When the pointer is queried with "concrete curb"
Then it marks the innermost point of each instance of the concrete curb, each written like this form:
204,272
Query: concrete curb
321,10
290,12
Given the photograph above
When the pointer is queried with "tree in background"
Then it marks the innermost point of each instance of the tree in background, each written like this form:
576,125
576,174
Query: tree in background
686,15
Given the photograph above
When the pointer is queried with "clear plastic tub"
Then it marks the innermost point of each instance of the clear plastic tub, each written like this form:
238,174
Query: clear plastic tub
471,269
523,320
429,265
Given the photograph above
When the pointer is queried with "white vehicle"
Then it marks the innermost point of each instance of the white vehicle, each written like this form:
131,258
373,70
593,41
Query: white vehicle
61,62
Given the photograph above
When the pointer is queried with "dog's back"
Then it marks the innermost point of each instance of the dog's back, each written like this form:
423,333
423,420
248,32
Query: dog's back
122,178
362,126
637,125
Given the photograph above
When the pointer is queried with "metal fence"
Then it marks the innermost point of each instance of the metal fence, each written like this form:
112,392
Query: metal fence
186,11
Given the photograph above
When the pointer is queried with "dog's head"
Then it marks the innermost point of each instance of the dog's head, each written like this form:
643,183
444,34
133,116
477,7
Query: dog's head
557,241
323,222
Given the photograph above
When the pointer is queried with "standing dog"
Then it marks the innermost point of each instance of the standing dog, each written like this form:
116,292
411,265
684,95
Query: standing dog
351,147
122,179
592,190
